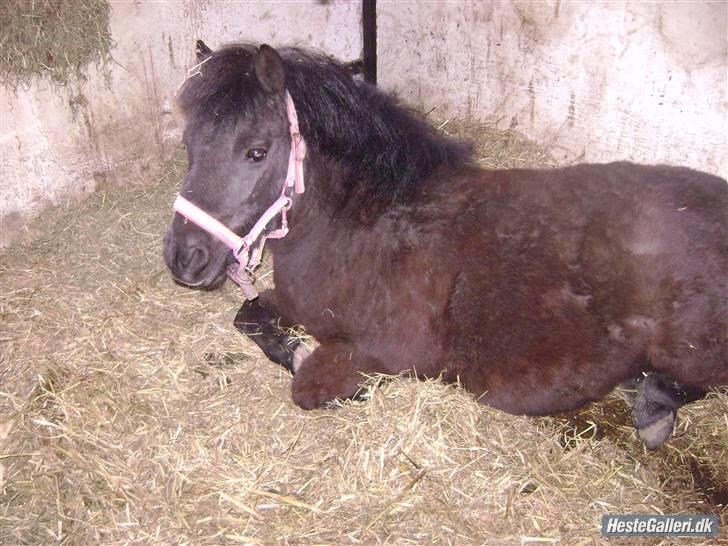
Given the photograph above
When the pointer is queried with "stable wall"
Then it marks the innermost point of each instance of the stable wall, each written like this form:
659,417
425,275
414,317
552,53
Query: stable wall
124,116
593,81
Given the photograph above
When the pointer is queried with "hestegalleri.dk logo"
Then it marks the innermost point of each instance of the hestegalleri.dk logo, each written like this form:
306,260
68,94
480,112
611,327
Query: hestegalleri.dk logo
698,525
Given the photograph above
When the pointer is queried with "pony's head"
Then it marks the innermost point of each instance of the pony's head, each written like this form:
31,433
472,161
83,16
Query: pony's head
238,142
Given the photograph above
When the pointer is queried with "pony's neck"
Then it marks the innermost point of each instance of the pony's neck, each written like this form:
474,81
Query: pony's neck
387,148
335,193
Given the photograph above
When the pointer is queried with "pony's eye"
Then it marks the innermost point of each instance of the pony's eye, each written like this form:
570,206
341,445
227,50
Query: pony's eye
257,154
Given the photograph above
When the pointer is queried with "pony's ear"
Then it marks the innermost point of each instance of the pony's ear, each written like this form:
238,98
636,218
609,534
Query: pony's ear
203,52
269,69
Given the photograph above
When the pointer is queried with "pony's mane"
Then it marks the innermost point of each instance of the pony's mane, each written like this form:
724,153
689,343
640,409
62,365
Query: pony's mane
385,145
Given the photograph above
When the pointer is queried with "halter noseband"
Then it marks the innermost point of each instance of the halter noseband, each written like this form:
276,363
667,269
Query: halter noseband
248,250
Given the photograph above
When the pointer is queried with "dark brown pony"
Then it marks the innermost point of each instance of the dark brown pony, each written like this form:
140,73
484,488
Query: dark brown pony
538,290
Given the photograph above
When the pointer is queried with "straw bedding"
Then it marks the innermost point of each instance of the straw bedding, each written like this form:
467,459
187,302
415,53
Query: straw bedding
131,411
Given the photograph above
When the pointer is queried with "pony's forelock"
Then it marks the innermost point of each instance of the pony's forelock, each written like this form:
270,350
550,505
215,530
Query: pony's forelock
388,148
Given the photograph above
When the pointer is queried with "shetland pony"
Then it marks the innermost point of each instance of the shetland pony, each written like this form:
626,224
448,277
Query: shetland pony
537,290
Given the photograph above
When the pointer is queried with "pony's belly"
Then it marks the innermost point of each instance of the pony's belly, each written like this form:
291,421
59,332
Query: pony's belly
543,401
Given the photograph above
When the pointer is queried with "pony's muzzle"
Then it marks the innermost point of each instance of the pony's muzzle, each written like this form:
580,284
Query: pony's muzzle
192,260
186,260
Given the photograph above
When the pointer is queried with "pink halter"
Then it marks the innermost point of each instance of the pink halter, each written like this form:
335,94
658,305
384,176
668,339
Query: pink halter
248,250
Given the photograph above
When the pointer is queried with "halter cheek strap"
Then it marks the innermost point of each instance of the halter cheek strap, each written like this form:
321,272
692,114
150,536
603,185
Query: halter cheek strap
248,250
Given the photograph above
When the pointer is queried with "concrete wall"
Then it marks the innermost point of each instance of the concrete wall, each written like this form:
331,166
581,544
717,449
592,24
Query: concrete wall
594,81
124,116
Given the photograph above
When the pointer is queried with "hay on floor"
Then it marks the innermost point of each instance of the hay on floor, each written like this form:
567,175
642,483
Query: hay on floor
131,411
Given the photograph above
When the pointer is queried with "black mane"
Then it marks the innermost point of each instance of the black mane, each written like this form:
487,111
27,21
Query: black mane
386,145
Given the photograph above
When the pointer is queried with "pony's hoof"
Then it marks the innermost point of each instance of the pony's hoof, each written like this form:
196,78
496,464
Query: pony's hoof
655,409
655,434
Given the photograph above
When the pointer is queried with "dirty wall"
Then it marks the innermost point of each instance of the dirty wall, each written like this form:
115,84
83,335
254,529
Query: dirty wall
59,142
593,81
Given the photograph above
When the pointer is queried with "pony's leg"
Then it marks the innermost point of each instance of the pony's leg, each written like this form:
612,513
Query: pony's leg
333,370
655,407
260,320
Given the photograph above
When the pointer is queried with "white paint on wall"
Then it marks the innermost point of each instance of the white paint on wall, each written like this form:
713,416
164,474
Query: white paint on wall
124,117
593,81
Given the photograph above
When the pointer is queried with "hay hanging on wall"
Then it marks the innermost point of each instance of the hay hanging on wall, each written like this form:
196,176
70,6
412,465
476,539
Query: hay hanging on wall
54,39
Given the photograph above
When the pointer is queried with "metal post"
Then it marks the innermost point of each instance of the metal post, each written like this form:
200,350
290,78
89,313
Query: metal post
369,35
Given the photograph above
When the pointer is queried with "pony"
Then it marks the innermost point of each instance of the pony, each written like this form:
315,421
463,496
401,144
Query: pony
539,291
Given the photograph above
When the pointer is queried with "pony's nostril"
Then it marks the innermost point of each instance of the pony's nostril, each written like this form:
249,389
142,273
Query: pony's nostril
192,260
